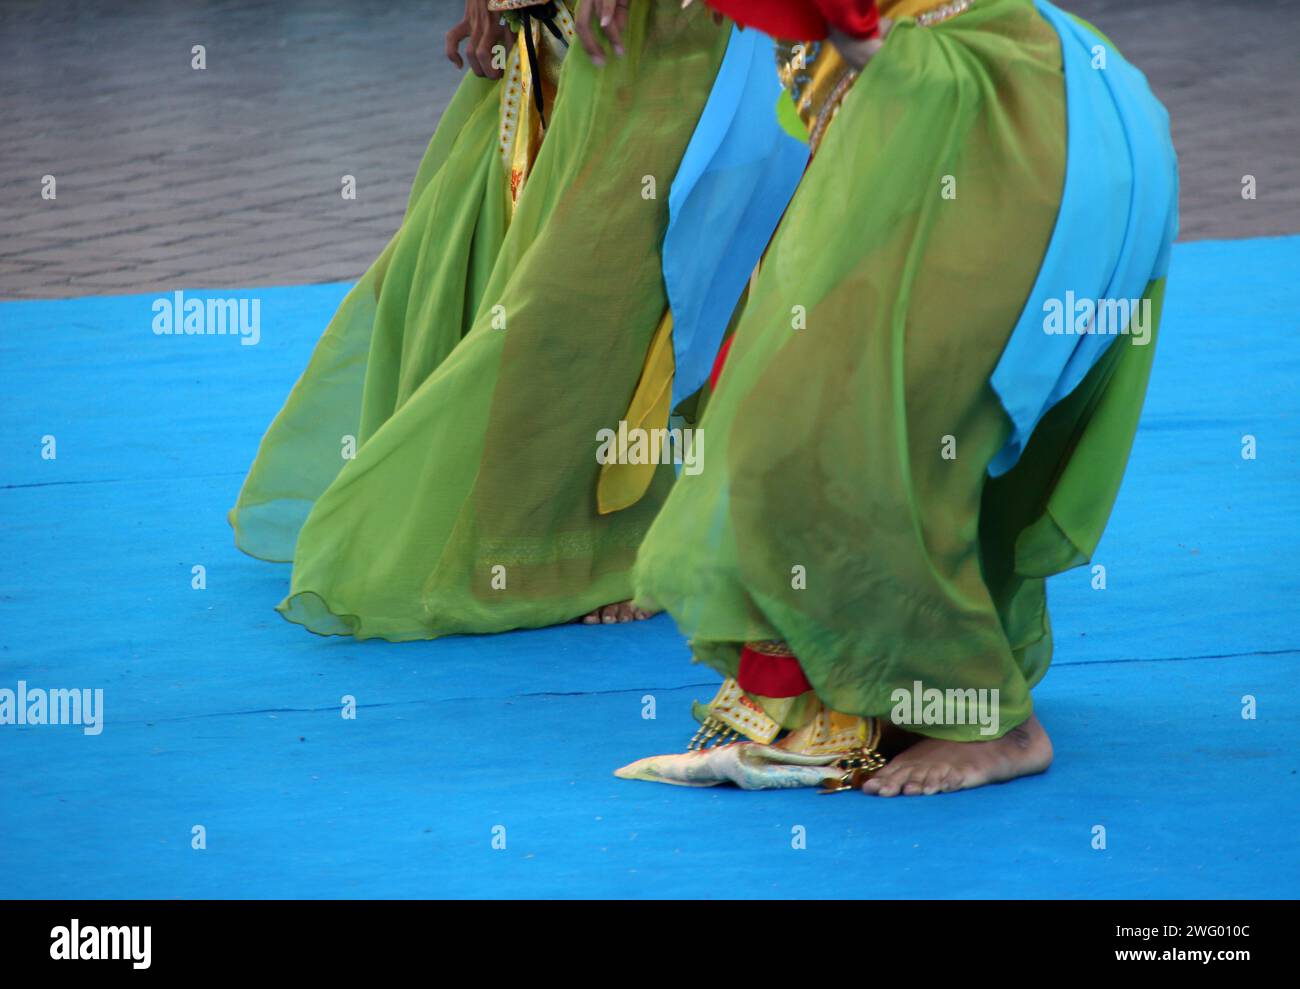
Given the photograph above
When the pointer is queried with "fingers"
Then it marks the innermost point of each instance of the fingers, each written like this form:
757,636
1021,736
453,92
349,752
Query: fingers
486,60
612,15
613,18
488,36
452,44
471,56
586,34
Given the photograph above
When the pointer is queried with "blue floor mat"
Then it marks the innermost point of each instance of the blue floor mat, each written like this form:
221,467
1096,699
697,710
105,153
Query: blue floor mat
220,714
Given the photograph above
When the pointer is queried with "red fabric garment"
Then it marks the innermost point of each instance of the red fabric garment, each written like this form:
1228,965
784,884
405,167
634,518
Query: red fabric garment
857,18
771,676
719,361
803,20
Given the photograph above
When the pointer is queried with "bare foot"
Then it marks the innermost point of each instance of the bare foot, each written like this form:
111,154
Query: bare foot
612,614
934,765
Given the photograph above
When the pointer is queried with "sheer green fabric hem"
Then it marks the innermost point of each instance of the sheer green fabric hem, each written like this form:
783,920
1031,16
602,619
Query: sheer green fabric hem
492,355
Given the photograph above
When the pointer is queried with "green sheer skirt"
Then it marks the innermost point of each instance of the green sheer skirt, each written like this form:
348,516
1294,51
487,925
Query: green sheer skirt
845,505
475,362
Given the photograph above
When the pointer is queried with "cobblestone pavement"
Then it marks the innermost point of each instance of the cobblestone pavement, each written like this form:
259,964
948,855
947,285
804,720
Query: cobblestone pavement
230,177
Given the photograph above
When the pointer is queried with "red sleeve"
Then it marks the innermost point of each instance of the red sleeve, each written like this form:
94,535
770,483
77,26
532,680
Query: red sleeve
803,20
793,20
856,18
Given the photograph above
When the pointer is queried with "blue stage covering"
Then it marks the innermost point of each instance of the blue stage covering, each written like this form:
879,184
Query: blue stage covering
221,714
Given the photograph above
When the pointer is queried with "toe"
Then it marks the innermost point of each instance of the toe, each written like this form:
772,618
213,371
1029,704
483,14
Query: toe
889,770
951,780
626,612
873,784
609,614
938,780
889,788
927,780
886,783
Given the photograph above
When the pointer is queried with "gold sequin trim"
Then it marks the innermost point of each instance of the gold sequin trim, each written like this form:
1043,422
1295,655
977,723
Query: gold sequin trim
516,142
769,647
831,106
732,715
943,13
828,111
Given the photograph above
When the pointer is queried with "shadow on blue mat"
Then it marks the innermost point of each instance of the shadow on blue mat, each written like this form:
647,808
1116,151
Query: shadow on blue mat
220,716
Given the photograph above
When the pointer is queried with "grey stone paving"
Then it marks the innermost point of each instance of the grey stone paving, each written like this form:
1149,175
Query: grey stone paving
169,177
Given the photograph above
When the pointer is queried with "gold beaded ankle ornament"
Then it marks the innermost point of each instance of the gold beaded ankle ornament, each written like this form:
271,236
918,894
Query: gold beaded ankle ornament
732,717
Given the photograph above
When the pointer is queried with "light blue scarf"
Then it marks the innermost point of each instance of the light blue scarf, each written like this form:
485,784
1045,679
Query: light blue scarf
1116,224
739,172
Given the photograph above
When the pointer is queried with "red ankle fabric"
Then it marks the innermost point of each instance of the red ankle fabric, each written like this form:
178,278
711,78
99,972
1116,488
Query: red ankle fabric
771,676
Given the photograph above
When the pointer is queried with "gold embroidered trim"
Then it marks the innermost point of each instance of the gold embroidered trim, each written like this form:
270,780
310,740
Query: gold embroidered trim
769,647
520,133
806,68
943,12
828,111
731,715
811,71
862,762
